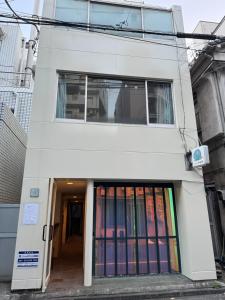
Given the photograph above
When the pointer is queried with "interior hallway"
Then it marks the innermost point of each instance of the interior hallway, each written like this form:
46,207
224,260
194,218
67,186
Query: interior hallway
67,270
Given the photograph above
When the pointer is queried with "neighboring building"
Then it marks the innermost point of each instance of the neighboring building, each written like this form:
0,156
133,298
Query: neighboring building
12,151
105,191
16,86
208,82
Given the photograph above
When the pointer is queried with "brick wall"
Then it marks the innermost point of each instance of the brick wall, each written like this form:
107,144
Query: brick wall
12,156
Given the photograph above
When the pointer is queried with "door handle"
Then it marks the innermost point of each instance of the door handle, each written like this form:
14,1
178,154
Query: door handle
44,233
51,229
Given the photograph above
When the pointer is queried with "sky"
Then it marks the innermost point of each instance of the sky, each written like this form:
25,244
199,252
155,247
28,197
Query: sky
193,10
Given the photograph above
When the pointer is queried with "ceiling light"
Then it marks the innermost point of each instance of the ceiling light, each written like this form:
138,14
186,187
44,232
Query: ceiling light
75,197
69,183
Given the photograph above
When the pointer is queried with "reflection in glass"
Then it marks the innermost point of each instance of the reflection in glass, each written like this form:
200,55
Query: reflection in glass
116,16
71,96
160,103
116,101
142,256
120,227
131,230
140,209
170,212
157,20
173,255
120,212
161,224
100,212
131,253
152,253
99,258
72,11
110,258
110,214
121,257
150,211
163,256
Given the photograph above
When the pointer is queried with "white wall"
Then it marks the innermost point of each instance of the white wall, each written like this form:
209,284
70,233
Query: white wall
122,152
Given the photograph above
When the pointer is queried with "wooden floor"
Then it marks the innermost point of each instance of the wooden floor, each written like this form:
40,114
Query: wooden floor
67,270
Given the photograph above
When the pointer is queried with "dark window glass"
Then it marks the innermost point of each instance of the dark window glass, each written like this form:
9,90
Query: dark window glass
140,209
160,212
120,212
99,258
71,96
110,213
131,253
116,101
160,103
110,258
150,211
121,17
142,256
121,257
163,256
153,259
100,212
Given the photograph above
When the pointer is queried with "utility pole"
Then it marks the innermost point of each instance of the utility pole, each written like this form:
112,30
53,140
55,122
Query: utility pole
31,44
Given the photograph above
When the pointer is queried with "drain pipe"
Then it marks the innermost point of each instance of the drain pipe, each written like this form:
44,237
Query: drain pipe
31,44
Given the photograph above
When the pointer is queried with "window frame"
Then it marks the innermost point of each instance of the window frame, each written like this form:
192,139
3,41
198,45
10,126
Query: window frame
148,124
142,7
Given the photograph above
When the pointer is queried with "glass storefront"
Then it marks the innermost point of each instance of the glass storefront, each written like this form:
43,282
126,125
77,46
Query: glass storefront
135,230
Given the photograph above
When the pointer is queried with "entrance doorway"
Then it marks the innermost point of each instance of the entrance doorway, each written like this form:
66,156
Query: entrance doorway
67,226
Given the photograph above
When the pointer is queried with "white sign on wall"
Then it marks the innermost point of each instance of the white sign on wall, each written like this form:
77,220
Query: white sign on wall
30,213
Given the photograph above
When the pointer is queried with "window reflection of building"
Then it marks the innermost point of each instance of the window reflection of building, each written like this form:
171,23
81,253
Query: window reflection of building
130,105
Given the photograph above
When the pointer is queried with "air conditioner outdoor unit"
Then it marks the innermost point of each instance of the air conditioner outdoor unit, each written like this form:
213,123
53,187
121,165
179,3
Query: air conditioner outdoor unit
200,156
221,195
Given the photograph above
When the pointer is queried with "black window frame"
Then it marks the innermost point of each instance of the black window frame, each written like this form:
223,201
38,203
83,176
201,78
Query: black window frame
137,238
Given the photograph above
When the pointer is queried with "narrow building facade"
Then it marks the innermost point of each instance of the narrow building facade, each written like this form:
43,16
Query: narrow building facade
106,192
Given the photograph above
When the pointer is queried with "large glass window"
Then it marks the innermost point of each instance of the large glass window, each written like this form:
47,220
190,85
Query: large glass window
157,20
160,103
135,230
71,96
121,101
116,16
72,11
116,101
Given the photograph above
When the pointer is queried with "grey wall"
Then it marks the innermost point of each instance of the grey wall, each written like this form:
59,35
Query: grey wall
12,156
8,227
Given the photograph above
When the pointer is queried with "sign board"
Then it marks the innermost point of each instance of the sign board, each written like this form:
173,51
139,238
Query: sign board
30,213
28,259
200,156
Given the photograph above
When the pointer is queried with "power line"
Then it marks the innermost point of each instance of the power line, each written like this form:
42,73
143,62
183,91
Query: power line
19,17
37,20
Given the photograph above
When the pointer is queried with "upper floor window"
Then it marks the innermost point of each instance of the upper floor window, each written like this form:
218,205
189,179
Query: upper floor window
71,96
114,100
117,16
72,11
156,20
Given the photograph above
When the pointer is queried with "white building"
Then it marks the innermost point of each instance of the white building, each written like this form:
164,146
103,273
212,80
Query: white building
16,86
112,118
